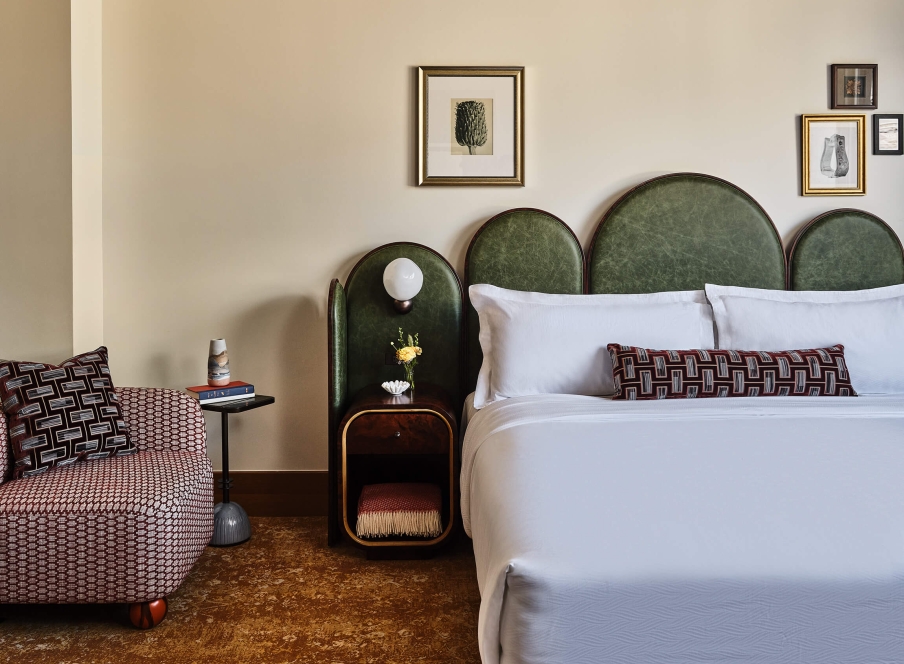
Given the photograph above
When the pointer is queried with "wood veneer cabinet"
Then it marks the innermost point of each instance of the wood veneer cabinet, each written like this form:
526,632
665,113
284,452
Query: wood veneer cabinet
385,438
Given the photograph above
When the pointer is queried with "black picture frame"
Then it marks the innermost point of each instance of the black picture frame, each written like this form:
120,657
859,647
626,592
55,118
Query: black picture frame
855,86
877,120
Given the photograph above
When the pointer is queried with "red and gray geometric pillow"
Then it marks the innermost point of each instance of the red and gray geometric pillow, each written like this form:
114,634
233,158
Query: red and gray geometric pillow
58,415
642,373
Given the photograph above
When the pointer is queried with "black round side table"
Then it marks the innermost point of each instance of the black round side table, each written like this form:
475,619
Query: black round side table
231,524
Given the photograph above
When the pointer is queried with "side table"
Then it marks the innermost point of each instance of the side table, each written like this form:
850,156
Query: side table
231,524
398,439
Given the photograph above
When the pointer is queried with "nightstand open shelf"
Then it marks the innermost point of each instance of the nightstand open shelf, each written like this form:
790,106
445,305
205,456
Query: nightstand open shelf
398,439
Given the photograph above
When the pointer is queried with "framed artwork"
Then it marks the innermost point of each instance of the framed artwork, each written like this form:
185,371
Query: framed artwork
855,86
470,126
833,155
887,133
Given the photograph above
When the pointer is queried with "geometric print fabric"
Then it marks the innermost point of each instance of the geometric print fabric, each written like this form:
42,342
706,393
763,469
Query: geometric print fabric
58,415
124,529
642,373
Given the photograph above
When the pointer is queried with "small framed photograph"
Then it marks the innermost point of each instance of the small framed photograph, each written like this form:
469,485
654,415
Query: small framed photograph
470,126
887,133
855,86
833,155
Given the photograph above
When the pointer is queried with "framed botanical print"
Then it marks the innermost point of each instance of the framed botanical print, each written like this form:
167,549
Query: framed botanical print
470,126
833,155
887,133
855,86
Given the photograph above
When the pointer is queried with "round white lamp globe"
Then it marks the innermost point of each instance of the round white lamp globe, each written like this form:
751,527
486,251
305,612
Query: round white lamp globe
403,279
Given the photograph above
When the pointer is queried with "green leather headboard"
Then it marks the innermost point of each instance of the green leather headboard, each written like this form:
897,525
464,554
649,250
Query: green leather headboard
523,249
845,250
681,231
373,322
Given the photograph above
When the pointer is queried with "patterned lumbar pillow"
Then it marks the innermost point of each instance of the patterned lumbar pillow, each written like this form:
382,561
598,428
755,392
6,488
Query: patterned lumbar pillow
641,373
399,509
59,415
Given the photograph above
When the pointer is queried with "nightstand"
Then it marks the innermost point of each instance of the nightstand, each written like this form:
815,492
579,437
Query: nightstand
385,438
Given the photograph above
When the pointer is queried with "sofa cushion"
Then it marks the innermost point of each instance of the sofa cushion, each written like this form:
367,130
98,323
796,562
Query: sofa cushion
58,415
126,529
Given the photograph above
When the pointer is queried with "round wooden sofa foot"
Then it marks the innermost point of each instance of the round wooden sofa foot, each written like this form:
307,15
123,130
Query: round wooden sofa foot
145,615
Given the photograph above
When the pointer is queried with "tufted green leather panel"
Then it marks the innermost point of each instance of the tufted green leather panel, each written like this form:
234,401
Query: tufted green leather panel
337,393
523,249
846,250
373,322
681,231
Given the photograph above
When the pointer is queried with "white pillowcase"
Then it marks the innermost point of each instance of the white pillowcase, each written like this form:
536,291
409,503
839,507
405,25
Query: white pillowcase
869,323
535,343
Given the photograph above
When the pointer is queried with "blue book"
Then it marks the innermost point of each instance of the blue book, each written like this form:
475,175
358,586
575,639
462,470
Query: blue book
234,390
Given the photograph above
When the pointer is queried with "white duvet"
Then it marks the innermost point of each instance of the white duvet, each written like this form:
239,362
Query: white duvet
752,530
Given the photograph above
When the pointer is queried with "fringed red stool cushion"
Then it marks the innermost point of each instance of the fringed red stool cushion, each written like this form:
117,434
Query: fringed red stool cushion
399,509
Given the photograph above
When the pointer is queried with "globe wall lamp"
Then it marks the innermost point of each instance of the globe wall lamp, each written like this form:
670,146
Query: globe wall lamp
403,280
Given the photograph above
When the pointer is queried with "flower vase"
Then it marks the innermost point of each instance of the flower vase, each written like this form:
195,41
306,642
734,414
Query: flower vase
409,376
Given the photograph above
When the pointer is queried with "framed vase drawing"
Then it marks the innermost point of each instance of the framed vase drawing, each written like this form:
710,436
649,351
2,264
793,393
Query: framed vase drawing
470,126
833,155
887,133
855,86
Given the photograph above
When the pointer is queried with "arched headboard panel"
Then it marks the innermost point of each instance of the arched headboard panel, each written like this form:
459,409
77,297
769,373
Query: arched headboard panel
523,249
372,322
845,250
681,231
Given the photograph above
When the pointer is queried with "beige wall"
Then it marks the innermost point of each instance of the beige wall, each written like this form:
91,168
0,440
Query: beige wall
254,150
35,181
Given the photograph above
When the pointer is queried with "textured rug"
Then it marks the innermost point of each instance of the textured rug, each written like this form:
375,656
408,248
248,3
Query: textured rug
282,597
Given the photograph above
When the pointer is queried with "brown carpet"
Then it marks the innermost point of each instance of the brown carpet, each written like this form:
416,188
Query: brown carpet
282,597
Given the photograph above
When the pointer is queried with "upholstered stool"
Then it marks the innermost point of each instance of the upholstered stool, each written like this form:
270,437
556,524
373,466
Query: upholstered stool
399,509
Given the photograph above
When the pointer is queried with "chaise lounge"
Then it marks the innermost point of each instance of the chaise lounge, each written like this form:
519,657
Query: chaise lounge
120,530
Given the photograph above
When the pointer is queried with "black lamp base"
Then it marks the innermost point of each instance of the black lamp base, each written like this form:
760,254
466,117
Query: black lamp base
402,306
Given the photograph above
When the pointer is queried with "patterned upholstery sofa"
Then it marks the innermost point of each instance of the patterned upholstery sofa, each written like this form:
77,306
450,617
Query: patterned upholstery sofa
126,529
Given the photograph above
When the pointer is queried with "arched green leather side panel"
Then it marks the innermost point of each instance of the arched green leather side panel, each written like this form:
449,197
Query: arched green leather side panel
337,393
846,250
681,231
526,250
373,322
338,349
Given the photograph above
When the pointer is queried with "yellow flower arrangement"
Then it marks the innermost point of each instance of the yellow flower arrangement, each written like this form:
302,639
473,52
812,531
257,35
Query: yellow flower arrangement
406,354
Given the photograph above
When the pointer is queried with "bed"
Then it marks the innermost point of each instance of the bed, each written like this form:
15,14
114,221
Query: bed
717,530
720,530
744,530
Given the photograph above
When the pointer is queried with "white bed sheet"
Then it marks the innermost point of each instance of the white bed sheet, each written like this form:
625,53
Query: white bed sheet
752,530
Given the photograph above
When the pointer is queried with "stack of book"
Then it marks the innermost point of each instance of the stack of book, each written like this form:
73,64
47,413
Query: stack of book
232,392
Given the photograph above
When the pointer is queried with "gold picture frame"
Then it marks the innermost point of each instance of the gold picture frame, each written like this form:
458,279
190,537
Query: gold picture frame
470,128
830,164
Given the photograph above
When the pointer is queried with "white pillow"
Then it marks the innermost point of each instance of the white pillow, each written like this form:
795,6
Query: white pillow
869,323
535,343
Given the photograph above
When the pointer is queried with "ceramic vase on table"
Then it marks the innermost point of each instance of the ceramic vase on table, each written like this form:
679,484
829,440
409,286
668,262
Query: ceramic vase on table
218,364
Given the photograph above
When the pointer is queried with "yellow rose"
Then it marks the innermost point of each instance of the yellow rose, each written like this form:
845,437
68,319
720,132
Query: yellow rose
406,354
